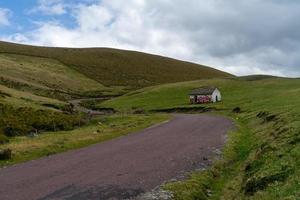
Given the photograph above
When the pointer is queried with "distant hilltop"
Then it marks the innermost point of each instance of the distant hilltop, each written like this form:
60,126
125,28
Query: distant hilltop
113,67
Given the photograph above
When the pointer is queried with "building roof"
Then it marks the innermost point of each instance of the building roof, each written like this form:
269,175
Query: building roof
207,90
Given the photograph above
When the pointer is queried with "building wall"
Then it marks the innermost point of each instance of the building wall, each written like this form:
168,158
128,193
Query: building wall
206,98
200,99
216,95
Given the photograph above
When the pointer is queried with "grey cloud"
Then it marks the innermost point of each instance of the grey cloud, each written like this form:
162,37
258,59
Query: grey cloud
240,36
265,32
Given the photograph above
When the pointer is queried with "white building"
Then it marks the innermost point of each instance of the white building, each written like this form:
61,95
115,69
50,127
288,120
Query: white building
205,95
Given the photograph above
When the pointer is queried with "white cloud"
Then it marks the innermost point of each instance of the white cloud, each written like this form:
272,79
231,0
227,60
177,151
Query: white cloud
49,7
4,16
239,36
94,17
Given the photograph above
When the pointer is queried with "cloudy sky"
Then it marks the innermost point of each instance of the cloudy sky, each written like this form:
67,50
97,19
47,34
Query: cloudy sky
239,36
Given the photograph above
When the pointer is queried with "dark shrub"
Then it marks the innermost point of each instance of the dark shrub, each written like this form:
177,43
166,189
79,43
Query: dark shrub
139,111
267,117
9,131
20,121
295,141
236,110
3,94
5,154
69,108
262,114
256,184
106,110
271,118
51,105
253,167
14,128
3,139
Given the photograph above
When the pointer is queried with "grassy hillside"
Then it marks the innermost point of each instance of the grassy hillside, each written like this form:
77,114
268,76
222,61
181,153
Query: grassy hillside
256,77
261,158
22,113
29,88
112,67
18,98
235,92
44,73
46,77
36,82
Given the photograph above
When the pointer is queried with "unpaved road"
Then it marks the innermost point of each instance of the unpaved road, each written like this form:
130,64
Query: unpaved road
120,168
78,107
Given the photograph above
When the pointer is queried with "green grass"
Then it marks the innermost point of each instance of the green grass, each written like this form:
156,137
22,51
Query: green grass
261,158
45,74
18,98
255,77
100,129
270,93
113,67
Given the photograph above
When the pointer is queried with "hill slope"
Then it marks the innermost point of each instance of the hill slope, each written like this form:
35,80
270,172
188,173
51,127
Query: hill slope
44,73
261,158
112,67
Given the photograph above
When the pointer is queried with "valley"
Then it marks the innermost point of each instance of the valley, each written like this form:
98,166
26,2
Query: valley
56,100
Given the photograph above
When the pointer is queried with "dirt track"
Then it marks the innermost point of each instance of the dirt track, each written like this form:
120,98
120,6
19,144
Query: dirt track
119,168
78,107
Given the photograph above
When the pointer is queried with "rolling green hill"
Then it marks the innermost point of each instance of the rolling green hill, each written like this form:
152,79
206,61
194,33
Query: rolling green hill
235,92
18,98
112,67
256,77
45,74
37,82
261,158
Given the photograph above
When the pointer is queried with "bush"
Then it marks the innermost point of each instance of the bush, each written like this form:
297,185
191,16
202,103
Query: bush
139,111
3,94
236,110
22,121
5,154
255,184
3,139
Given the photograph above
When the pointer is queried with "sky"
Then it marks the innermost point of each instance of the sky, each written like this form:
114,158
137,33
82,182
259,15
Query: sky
241,37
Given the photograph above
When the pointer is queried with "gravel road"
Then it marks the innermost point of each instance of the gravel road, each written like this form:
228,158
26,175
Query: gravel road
121,168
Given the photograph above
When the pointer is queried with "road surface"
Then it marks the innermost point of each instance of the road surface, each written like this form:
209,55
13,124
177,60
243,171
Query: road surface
120,168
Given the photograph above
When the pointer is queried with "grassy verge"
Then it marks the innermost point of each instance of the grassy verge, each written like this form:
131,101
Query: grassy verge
210,184
101,129
261,159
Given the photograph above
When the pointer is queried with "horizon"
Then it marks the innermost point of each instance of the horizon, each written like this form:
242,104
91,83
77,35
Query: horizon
223,35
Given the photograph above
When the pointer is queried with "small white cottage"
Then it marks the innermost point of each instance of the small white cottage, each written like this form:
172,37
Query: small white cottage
205,95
